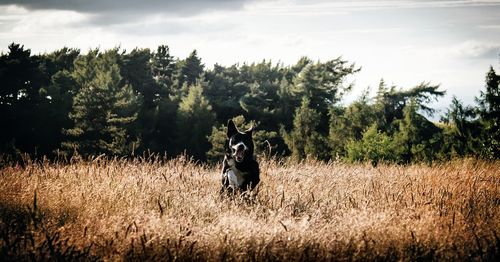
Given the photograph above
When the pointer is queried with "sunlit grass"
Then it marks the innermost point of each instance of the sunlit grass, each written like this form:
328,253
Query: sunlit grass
151,209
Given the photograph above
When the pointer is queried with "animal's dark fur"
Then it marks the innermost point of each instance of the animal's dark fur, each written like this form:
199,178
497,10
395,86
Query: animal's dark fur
246,170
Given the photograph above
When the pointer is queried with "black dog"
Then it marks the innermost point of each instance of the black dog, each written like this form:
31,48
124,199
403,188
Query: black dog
240,170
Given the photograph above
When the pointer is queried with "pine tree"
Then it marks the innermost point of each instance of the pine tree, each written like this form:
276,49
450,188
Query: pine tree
224,90
194,123
304,140
260,102
323,83
349,123
284,110
189,70
489,110
150,75
460,129
390,103
55,109
135,68
103,109
162,67
417,139
20,83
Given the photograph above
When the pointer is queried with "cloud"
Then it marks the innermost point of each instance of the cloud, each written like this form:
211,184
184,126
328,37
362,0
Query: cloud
475,49
185,7
17,22
161,25
312,8
118,15
490,27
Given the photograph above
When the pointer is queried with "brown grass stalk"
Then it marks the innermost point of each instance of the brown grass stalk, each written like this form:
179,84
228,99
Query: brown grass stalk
117,209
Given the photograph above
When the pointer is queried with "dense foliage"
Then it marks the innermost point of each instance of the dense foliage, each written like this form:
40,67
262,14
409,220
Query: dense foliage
123,103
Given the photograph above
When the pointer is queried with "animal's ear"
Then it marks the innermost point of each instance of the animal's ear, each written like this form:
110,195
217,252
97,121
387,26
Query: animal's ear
231,128
249,131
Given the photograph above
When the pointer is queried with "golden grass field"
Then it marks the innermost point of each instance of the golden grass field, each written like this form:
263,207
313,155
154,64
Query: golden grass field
147,209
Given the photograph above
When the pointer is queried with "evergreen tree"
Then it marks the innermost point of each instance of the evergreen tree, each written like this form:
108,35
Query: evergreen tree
21,79
383,106
304,140
260,102
489,111
163,127
323,83
162,118
417,139
189,70
103,109
284,105
225,90
460,132
163,69
299,66
60,60
55,109
113,102
137,70
390,103
305,84
349,123
194,123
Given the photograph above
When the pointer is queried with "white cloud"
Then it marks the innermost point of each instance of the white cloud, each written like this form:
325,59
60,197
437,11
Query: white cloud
38,28
473,49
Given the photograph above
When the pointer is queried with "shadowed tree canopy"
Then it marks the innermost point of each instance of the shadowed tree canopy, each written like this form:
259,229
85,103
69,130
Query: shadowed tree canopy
143,101
461,130
162,68
103,109
22,76
190,70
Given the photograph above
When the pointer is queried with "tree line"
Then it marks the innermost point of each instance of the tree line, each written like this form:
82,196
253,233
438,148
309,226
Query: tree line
123,103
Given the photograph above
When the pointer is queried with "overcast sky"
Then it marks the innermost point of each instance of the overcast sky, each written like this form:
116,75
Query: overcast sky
451,43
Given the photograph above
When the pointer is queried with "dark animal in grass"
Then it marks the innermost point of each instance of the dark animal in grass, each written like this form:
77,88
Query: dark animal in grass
240,170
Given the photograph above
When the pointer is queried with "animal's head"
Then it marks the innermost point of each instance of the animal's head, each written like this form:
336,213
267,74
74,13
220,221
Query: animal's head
240,143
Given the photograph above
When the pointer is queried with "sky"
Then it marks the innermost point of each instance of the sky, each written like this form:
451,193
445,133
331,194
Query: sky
447,42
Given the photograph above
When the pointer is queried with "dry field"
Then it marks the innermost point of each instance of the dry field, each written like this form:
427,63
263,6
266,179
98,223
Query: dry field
111,209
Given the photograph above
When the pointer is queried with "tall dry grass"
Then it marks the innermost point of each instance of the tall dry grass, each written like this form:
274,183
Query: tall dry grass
111,209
